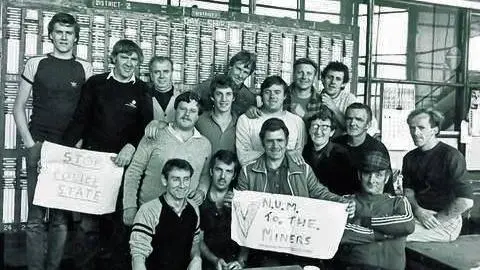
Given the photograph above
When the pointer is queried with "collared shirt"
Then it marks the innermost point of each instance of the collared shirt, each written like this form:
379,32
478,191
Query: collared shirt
277,180
219,139
112,75
313,105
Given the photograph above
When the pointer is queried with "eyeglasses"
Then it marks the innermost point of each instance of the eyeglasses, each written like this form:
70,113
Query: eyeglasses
322,127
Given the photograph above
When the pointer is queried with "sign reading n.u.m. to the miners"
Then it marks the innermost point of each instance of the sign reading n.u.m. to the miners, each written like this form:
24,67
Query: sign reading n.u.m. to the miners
77,180
296,225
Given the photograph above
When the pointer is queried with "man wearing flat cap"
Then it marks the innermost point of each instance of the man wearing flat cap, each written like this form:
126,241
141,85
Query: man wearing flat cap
375,237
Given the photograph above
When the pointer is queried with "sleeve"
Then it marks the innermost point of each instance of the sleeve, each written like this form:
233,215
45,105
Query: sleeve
319,191
458,174
197,236
357,234
143,230
242,181
302,135
134,173
243,143
82,115
204,182
407,180
399,223
144,116
30,69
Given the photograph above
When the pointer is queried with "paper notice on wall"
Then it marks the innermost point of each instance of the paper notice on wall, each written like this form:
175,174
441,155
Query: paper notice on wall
289,224
77,180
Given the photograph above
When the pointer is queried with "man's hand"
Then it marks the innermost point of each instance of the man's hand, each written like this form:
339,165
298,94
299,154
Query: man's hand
152,129
227,199
427,218
197,196
234,265
221,264
34,153
296,156
195,263
129,215
328,101
125,156
351,208
253,112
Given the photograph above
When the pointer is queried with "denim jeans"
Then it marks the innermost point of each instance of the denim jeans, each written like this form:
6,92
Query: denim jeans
46,228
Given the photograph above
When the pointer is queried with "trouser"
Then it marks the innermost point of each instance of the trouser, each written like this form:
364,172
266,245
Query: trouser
446,232
101,242
46,228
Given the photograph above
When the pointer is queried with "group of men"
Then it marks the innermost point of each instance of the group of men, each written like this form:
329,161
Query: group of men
185,151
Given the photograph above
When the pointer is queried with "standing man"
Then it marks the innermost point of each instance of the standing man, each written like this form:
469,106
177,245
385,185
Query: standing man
162,91
330,161
179,139
334,78
375,237
276,172
110,117
166,233
219,125
275,99
218,249
305,98
358,142
240,67
55,81
434,181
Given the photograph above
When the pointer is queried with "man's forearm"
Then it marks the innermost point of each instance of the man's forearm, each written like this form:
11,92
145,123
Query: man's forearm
410,194
456,208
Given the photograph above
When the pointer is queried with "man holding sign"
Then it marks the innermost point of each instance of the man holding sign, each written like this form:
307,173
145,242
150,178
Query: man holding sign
275,172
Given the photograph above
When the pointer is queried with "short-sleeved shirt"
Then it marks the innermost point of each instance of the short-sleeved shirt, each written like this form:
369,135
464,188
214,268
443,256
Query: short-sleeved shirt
438,176
56,88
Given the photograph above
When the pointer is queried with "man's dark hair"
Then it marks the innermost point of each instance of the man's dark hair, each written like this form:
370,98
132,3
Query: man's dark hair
126,46
176,163
227,157
277,80
66,19
273,124
187,97
361,106
435,117
159,59
247,58
307,61
220,81
336,66
324,113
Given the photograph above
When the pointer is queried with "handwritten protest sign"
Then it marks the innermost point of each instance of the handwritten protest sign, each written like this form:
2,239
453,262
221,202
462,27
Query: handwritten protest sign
77,180
296,225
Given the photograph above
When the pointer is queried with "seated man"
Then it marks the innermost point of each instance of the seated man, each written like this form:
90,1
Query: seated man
166,234
218,250
330,161
375,237
276,172
434,179
275,99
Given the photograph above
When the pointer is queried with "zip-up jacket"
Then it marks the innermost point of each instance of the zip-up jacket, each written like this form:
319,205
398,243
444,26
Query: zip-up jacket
300,178
375,236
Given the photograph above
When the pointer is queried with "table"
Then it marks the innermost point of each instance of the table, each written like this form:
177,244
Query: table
463,253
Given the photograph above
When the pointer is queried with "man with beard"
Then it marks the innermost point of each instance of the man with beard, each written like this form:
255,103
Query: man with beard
179,139
275,99
240,67
434,181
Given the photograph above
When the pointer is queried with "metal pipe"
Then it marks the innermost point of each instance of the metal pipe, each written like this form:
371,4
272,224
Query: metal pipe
368,53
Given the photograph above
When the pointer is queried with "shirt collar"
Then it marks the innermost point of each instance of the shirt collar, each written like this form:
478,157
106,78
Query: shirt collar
196,133
112,75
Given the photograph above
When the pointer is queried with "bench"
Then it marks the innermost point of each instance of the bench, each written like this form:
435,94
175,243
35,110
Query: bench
463,253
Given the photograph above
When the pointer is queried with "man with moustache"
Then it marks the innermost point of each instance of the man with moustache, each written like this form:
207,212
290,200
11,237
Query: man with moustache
276,172
275,99
180,139
55,82
162,90
240,67
111,115
166,234
330,161
218,250
219,125
334,78
434,181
